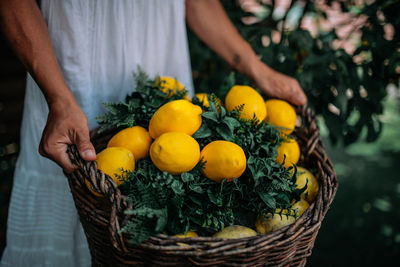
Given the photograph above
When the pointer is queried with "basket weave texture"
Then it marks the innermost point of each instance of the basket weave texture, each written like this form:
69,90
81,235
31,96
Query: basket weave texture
102,218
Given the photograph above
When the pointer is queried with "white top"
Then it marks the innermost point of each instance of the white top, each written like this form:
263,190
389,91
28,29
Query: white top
99,44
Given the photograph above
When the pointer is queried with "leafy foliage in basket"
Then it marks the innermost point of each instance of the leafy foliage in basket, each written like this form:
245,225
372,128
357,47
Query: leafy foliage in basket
346,88
139,107
177,203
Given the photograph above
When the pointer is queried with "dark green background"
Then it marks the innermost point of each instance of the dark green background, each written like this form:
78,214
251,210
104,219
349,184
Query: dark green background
362,227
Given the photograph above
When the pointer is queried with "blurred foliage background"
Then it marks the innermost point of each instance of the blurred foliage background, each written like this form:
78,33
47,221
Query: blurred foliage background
346,57
343,53
362,227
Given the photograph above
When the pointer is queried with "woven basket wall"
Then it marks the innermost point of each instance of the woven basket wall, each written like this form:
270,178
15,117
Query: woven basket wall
102,218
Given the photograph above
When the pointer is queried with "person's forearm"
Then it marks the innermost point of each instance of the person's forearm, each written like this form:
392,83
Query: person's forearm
208,20
26,31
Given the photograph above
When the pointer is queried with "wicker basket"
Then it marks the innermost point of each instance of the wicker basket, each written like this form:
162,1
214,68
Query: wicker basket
102,219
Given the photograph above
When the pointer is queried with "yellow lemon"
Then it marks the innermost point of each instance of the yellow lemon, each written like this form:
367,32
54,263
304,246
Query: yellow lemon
304,175
169,85
301,206
281,114
175,152
188,234
271,222
113,161
291,150
235,231
136,139
203,97
253,102
223,160
175,116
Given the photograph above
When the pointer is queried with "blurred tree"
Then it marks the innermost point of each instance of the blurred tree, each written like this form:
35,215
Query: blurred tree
343,53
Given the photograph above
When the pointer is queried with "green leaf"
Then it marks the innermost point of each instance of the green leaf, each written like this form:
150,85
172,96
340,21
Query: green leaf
196,188
177,187
195,200
232,123
161,220
214,199
268,200
187,177
224,131
203,132
211,116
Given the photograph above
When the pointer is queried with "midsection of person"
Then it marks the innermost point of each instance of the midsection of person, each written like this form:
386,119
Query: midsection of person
99,44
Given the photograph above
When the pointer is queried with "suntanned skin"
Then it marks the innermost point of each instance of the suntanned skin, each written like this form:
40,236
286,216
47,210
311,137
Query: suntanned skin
25,29
208,20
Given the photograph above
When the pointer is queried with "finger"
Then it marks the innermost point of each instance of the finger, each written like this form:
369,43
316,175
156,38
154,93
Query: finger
63,160
85,147
57,153
298,97
41,150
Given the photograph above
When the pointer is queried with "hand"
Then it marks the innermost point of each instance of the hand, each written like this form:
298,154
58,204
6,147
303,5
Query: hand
66,124
276,84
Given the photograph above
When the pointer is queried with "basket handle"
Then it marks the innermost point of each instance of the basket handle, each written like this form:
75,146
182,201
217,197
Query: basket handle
309,118
313,147
105,185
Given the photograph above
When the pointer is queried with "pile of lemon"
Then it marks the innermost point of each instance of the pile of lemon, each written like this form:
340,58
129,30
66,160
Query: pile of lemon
169,143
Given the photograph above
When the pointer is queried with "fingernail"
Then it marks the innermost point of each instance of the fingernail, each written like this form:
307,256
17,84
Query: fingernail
88,153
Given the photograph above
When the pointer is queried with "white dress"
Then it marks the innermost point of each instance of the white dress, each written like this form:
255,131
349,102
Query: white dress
98,44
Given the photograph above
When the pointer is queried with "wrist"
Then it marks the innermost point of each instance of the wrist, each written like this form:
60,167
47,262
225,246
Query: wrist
253,67
258,69
64,100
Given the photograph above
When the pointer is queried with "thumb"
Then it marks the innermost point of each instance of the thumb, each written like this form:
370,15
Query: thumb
297,96
85,147
299,99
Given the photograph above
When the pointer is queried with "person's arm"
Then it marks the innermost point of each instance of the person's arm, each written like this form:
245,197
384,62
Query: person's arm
26,31
209,22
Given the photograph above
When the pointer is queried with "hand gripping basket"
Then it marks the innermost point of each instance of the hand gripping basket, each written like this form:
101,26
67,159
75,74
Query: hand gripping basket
102,218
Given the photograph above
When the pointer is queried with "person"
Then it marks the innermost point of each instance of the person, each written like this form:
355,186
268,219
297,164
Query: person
80,54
